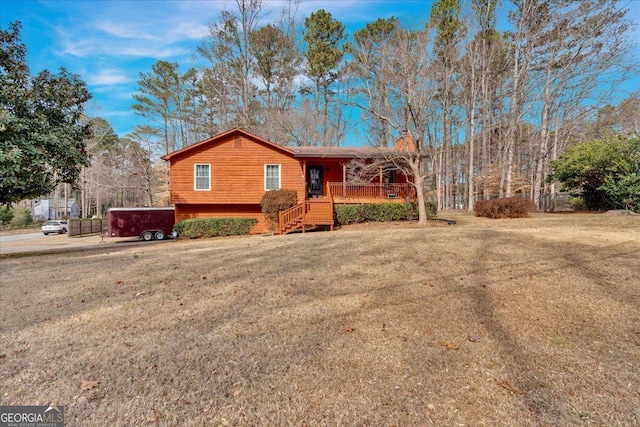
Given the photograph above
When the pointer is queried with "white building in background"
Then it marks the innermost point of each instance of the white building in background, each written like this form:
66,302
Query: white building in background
50,209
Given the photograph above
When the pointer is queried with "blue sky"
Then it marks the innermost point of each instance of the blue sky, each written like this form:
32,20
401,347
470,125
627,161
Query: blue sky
108,43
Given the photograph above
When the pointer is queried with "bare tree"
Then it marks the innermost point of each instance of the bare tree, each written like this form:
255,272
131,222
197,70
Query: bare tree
445,20
228,50
577,47
411,90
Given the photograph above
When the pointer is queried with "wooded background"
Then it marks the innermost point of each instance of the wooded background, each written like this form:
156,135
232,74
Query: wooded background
488,109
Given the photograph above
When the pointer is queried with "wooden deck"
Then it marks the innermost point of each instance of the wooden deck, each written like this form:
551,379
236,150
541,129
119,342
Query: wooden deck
314,212
311,212
349,193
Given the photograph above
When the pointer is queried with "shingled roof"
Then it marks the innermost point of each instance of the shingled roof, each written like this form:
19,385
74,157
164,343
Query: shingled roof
340,152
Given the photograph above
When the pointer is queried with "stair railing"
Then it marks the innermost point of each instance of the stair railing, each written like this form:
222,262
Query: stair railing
289,216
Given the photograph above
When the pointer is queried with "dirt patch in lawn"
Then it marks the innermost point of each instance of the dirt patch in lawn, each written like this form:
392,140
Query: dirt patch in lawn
527,322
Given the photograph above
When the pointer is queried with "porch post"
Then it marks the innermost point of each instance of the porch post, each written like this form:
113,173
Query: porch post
304,177
344,180
380,189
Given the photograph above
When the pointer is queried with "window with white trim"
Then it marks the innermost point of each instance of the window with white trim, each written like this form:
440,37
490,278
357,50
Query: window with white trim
271,177
201,177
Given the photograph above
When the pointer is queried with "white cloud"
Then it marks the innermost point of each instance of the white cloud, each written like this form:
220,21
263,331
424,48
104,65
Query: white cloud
99,47
168,30
191,30
150,51
108,77
148,29
125,30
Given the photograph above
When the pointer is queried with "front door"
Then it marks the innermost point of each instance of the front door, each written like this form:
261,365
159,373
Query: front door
314,181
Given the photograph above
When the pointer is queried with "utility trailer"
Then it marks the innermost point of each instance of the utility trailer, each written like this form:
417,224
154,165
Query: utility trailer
145,223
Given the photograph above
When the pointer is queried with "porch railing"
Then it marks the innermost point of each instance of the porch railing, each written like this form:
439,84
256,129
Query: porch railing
309,212
350,190
290,216
318,210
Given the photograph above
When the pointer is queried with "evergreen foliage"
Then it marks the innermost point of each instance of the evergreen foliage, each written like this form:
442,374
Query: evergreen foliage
41,137
604,172
197,228
380,212
21,217
6,214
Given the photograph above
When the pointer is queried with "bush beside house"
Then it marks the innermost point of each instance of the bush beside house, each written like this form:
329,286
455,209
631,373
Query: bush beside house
213,227
379,212
275,201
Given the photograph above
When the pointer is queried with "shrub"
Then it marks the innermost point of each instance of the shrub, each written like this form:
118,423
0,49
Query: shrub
605,172
432,209
6,215
577,203
510,207
213,227
275,201
379,212
21,217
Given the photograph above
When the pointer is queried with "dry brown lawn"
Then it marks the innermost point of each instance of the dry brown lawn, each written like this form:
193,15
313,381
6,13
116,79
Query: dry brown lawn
528,322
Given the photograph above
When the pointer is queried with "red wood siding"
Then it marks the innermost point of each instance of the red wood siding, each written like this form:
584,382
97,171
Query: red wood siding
188,211
333,170
237,172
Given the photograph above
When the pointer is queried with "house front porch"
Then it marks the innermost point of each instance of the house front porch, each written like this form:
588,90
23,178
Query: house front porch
318,210
326,173
370,192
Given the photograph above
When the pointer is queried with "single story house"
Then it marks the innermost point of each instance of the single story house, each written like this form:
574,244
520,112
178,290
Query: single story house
227,175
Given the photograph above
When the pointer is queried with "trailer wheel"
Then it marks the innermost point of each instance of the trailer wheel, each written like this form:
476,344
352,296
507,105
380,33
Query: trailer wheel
147,236
160,235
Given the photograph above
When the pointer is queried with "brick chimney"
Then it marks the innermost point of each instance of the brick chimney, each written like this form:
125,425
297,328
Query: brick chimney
406,140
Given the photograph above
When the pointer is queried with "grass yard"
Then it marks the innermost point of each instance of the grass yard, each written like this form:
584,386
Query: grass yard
528,322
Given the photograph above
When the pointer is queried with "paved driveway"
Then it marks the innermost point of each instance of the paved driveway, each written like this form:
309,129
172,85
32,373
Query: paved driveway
38,242
18,237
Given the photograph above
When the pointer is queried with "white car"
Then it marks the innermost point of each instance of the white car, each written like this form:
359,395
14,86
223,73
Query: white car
58,227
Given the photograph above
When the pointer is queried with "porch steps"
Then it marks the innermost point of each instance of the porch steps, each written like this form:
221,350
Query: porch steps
292,226
308,213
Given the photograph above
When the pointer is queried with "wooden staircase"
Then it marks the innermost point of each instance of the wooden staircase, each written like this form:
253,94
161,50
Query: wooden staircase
312,212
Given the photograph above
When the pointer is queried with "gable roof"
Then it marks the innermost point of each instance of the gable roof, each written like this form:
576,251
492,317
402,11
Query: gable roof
223,135
298,151
52,202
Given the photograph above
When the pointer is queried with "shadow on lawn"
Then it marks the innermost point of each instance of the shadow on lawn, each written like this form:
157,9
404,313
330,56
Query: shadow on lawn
537,394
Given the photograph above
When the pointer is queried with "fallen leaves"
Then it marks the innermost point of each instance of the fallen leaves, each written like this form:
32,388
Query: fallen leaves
155,418
451,346
506,384
88,385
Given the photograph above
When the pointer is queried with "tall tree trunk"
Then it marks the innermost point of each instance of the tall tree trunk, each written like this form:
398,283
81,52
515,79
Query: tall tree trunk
544,143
